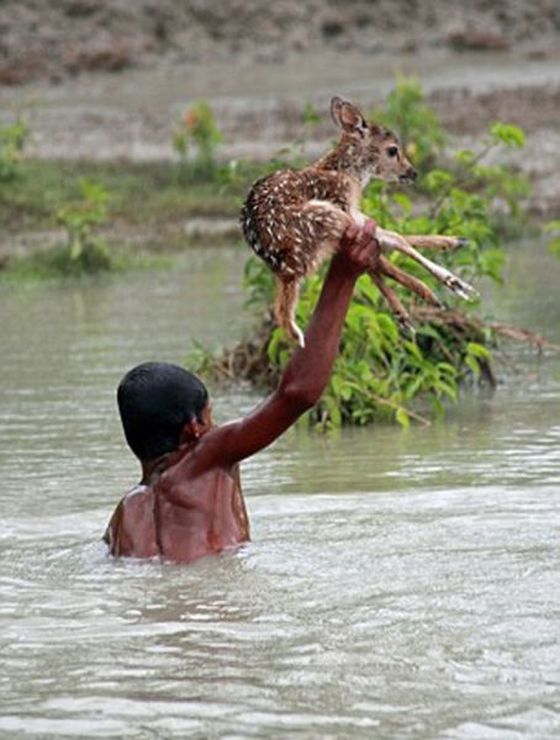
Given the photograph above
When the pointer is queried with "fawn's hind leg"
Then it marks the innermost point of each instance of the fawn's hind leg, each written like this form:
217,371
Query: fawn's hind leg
395,304
408,281
285,308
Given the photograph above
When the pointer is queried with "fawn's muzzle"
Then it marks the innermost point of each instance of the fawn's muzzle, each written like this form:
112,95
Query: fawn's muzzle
409,176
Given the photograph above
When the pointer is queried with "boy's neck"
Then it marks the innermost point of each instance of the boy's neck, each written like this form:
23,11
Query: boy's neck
152,469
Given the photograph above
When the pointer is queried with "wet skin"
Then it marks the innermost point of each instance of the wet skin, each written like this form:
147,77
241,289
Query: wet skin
189,503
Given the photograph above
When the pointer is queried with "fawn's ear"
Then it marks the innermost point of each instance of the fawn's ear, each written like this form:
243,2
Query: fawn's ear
348,117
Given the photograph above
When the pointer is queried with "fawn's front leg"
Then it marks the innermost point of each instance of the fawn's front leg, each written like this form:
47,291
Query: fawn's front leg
392,240
436,241
442,242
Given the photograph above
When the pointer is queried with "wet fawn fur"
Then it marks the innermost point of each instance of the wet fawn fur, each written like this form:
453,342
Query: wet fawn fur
294,219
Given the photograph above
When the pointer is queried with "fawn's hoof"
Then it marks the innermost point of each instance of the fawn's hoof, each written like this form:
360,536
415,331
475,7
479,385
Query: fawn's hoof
462,289
297,335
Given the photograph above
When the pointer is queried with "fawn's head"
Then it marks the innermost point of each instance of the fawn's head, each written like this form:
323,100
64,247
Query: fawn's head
369,150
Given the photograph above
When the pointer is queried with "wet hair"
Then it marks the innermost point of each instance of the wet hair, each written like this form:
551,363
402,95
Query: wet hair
156,400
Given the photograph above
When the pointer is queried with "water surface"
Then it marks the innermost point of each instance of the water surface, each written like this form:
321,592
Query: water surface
399,583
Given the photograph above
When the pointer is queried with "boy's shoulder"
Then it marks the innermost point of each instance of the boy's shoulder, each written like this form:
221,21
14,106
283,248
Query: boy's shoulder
133,516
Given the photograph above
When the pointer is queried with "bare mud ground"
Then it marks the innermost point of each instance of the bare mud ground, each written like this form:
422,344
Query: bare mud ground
51,40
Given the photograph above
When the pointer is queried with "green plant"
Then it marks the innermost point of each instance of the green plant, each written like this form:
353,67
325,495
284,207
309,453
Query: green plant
380,375
12,142
197,127
85,251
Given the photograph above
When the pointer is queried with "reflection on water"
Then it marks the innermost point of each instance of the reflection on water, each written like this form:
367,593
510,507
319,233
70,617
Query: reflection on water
399,583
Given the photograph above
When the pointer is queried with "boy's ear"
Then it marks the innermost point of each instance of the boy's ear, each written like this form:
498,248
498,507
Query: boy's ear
191,431
348,117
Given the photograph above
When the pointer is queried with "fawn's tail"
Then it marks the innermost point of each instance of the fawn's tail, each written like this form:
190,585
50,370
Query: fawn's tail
285,309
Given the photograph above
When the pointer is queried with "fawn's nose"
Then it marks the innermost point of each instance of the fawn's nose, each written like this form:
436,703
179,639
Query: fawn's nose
412,174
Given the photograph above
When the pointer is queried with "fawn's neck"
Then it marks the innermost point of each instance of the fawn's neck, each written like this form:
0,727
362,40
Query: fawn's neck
347,157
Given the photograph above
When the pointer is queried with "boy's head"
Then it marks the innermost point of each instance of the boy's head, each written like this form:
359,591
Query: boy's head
156,400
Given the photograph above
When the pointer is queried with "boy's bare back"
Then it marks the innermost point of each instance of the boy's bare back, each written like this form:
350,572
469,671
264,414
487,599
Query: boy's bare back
180,517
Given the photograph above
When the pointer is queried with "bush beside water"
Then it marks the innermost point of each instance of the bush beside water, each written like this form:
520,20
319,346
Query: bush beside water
379,374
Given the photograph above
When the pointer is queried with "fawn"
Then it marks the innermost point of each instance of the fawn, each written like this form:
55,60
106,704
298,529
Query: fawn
293,219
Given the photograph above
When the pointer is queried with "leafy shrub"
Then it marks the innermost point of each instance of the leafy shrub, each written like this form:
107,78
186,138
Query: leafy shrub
85,252
379,374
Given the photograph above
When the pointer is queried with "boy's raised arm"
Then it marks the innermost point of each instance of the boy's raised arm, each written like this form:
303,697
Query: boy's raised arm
309,369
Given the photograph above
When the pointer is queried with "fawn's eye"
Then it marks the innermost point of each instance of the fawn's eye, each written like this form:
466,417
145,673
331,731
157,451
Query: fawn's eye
392,151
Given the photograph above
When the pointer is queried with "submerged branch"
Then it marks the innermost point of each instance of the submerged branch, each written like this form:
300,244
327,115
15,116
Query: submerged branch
458,321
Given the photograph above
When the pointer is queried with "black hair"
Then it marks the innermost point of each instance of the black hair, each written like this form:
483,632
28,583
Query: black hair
156,399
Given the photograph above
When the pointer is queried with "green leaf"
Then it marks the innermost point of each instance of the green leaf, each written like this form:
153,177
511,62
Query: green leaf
465,157
472,363
478,350
274,344
346,392
492,263
508,134
438,180
403,201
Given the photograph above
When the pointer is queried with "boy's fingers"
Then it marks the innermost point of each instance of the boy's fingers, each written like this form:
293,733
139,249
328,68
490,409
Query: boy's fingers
374,256
351,232
368,231
370,244
370,227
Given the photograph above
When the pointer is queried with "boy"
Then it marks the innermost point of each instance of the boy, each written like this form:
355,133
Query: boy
189,501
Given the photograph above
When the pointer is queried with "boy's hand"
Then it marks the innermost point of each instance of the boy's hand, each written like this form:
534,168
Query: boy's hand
359,249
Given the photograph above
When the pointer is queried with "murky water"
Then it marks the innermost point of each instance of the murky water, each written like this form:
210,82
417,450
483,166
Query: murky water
399,583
